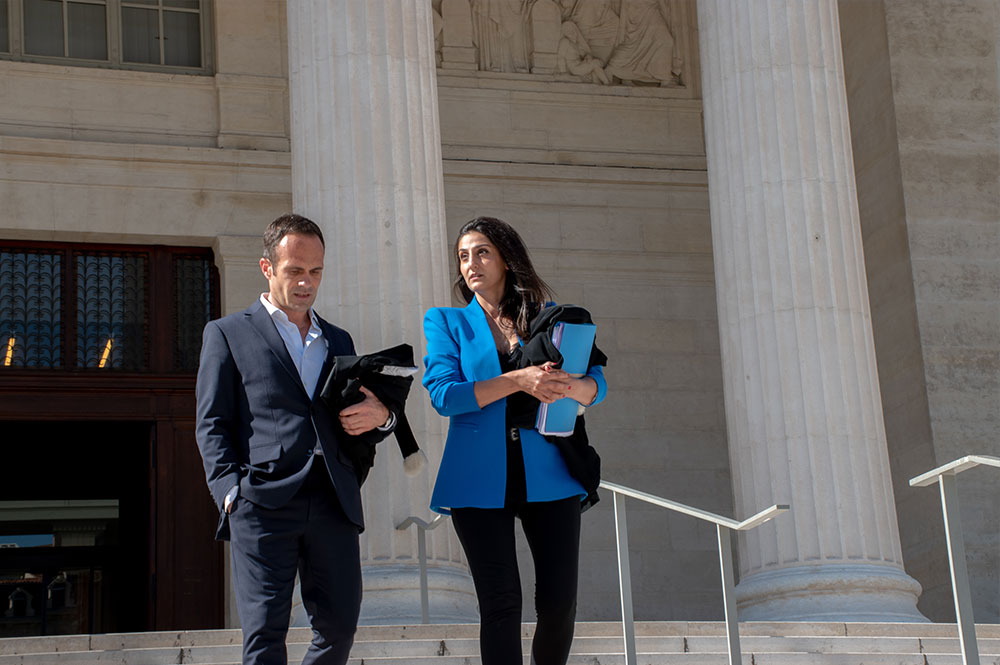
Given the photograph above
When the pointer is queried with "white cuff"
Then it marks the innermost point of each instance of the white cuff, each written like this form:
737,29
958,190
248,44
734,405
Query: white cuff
230,497
389,424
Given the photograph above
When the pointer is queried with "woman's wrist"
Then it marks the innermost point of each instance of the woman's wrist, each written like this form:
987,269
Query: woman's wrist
515,377
488,391
584,390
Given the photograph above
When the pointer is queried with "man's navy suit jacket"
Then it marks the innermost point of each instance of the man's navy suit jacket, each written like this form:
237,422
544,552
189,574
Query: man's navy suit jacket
256,426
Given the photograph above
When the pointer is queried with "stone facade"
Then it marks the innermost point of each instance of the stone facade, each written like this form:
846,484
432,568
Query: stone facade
608,183
945,65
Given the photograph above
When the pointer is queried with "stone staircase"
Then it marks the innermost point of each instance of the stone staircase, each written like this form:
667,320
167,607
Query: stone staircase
596,643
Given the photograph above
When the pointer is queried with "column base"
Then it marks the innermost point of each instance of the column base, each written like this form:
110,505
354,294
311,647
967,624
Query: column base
830,592
391,596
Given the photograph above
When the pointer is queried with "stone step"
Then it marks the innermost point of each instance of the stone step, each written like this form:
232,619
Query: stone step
690,629
468,646
749,658
596,643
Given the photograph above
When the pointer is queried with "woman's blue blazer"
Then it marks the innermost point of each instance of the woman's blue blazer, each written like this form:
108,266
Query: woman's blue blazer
473,472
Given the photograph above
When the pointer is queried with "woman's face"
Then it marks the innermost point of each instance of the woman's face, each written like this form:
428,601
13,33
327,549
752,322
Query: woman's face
481,265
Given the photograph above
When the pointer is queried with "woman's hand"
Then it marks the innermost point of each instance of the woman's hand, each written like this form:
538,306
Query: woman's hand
544,382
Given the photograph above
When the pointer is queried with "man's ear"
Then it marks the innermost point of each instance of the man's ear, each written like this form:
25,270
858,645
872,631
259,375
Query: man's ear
265,267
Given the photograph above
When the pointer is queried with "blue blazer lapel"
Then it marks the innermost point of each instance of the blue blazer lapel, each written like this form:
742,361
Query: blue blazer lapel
480,361
264,326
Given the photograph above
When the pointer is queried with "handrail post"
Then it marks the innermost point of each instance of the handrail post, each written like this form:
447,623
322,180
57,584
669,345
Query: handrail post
729,595
422,529
625,579
425,615
944,476
725,525
959,572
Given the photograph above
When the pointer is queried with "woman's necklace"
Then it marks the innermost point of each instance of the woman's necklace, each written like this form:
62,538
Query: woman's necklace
501,330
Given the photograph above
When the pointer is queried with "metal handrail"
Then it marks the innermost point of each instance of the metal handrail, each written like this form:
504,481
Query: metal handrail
422,529
945,476
723,526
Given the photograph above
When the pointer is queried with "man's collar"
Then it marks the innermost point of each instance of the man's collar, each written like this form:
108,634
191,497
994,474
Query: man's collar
276,311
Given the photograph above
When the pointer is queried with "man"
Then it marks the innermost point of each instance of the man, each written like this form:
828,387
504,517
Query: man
289,499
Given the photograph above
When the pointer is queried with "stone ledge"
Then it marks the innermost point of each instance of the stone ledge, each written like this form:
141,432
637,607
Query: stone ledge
101,150
935,637
455,78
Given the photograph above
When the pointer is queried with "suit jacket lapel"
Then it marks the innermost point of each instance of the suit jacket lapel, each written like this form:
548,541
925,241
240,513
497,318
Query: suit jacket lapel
330,355
485,363
263,324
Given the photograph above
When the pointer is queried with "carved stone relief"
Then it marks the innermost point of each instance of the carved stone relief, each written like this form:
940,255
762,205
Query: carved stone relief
607,42
501,32
438,30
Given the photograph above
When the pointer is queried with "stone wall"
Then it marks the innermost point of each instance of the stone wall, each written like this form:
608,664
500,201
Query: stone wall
946,92
893,306
81,191
103,155
244,105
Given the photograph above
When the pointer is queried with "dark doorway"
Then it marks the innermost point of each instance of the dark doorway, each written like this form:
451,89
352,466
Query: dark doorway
103,503
74,527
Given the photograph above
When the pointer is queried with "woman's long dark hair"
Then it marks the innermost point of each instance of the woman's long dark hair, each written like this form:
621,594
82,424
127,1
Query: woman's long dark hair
525,292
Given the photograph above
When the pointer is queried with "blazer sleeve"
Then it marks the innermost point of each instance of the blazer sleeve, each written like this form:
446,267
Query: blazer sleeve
451,394
216,413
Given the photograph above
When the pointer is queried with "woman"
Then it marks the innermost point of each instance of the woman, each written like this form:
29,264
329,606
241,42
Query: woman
491,473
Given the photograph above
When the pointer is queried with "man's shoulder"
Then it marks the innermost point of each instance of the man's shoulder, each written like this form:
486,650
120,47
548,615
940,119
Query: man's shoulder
236,318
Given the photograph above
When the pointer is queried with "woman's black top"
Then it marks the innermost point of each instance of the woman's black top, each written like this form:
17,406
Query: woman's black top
517,488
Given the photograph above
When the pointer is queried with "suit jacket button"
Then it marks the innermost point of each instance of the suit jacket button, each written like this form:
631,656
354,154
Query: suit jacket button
310,451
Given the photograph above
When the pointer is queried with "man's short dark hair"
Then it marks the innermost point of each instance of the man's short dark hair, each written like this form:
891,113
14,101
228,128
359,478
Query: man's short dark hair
288,223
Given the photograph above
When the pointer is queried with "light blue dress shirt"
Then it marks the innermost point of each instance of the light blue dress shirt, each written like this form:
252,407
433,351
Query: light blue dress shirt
307,355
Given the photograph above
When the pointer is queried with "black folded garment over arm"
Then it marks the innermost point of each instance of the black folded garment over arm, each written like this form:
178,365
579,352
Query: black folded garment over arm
388,374
581,458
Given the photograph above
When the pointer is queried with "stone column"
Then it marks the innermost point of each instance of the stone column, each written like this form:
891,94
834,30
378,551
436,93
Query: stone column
802,396
366,166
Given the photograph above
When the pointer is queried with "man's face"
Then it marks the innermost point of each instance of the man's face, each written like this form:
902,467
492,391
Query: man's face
294,276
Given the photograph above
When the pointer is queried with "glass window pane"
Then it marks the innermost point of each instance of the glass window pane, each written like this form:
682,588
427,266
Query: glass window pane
185,4
111,311
43,27
183,43
140,35
4,28
142,2
88,35
30,309
193,307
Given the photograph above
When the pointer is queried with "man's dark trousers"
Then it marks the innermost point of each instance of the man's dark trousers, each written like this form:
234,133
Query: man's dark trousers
267,546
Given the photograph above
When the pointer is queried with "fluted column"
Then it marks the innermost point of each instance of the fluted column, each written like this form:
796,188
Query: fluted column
801,389
366,166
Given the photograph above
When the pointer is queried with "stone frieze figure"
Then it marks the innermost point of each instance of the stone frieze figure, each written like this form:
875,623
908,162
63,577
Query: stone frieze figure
502,34
645,49
597,21
574,56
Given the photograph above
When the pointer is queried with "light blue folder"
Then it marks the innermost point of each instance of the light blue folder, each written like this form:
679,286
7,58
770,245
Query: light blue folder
574,341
